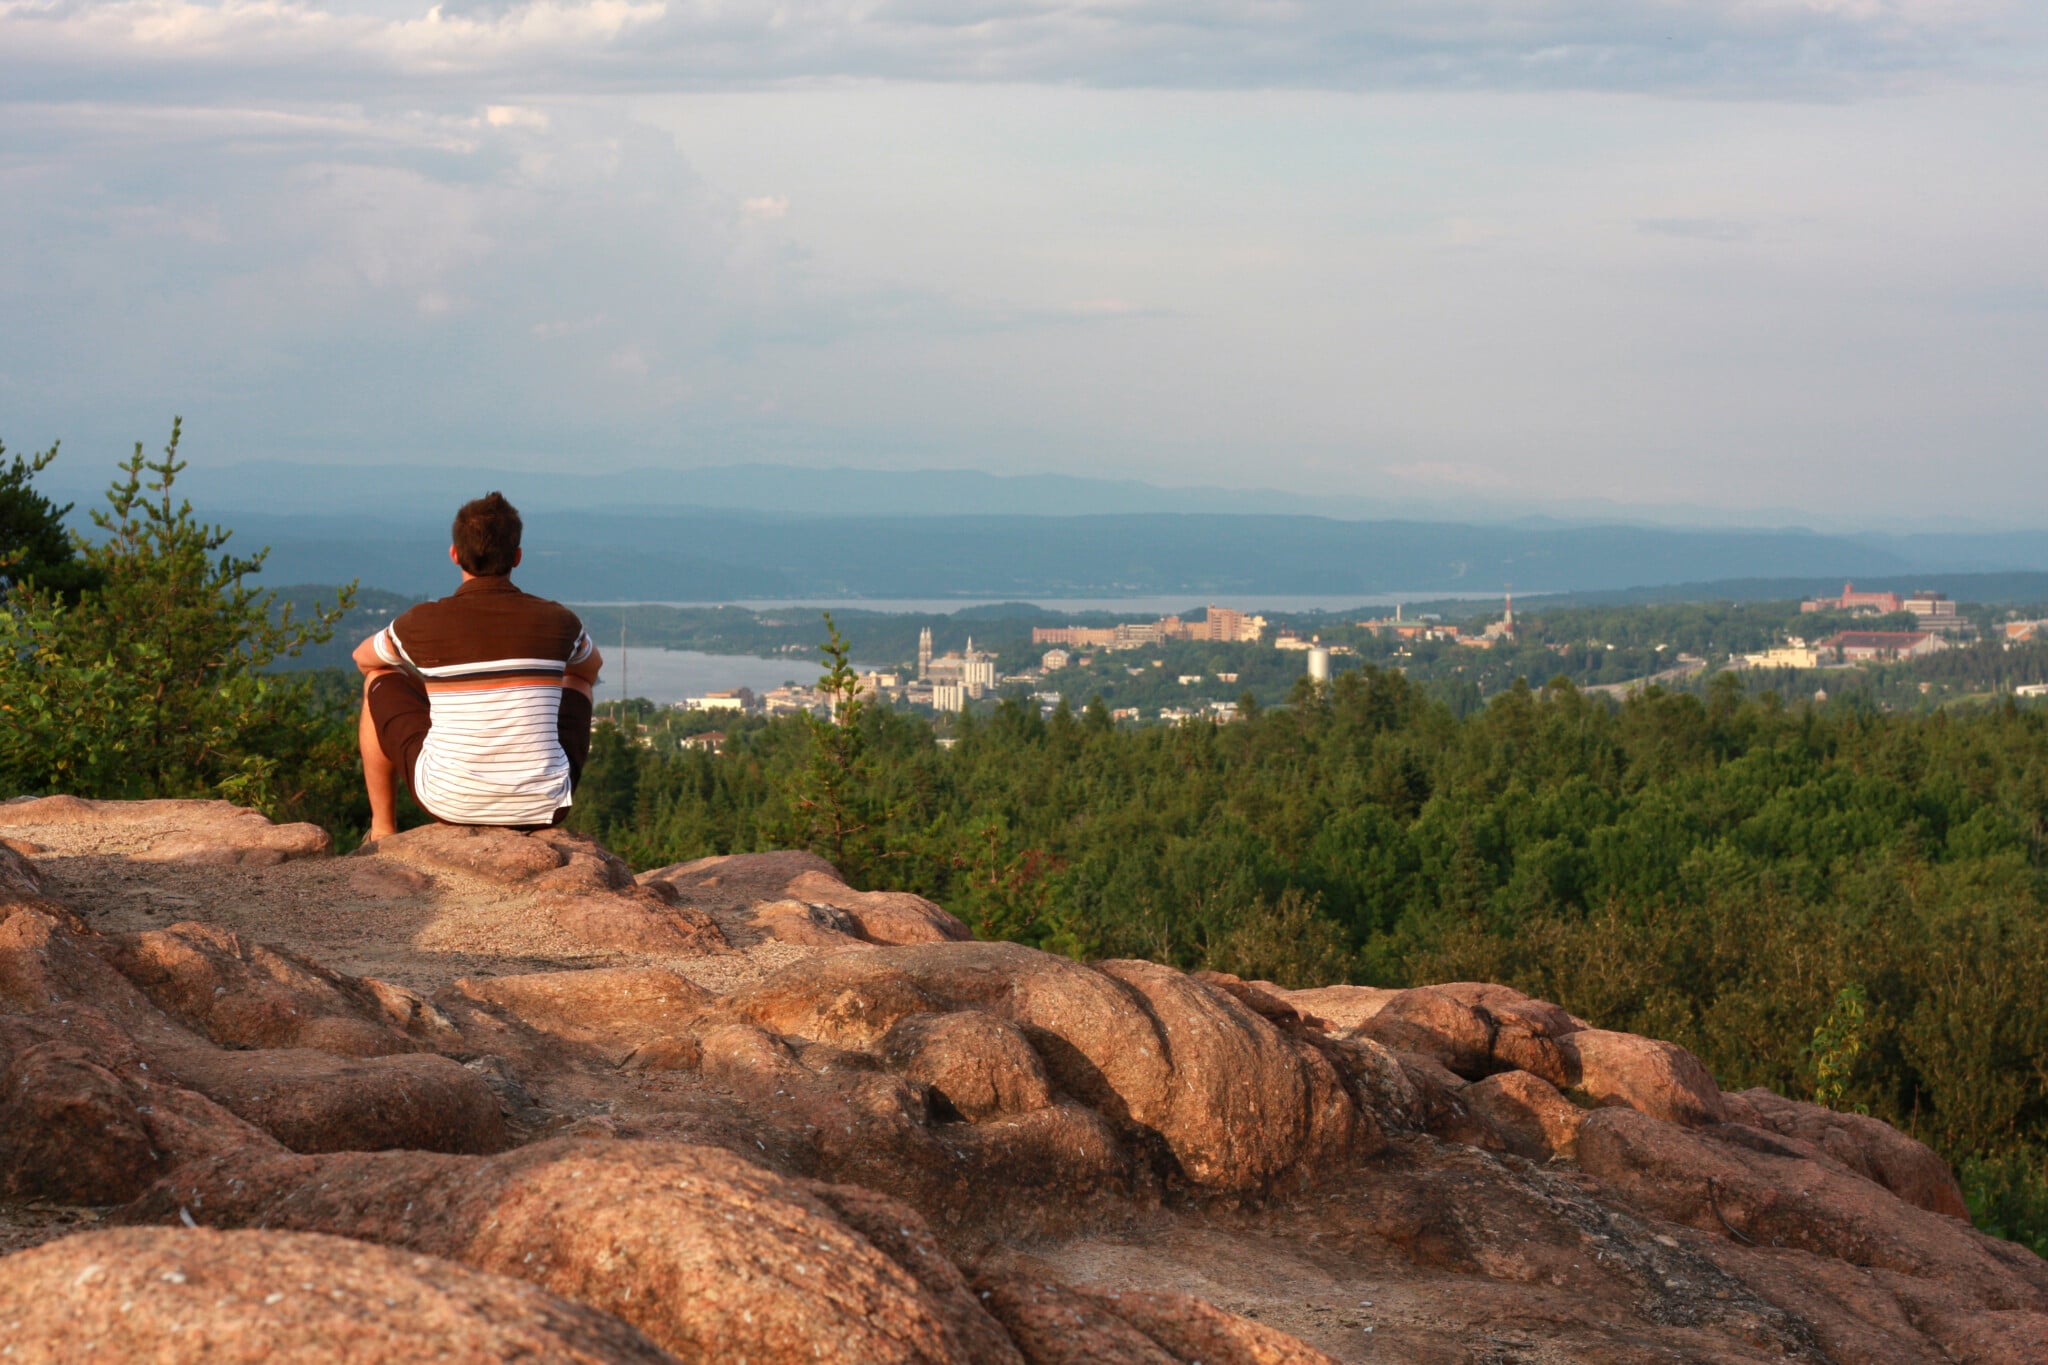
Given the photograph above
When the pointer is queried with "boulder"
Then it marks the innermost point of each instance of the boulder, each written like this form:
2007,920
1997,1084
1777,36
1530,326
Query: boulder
1267,1004
1245,1103
1379,1084
1234,1101
504,856
207,833
248,995
747,883
69,1128
980,1066
1428,1021
83,1120
195,1295
1496,1000
1192,1329
1525,1031
738,881
1651,1077
1530,1117
608,1007
910,1244
48,956
714,1258
1758,1198
314,1102
586,864
812,926
886,917
848,999
1870,1147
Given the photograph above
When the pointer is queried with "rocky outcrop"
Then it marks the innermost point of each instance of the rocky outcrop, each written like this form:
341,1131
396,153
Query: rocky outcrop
586,891
1872,1149
248,995
54,971
206,833
714,1258
801,898
771,1129
177,1295
1231,1101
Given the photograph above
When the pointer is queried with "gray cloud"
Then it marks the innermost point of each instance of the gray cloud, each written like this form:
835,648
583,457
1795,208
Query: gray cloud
927,232
176,49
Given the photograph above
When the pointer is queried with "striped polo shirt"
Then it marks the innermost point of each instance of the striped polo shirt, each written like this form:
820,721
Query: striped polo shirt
492,658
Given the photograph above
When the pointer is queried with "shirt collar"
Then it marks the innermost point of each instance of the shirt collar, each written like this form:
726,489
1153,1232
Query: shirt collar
496,582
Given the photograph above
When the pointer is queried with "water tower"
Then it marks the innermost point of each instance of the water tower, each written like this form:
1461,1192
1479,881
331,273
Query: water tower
1319,663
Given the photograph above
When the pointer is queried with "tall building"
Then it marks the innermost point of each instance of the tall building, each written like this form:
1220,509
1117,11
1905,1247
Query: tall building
978,670
1862,603
924,652
1934,611
1228,626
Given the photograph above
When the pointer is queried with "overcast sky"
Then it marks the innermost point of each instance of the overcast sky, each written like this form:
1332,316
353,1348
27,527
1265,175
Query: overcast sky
1762,254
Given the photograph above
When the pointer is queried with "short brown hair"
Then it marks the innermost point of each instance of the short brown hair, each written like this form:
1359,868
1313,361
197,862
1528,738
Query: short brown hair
486,535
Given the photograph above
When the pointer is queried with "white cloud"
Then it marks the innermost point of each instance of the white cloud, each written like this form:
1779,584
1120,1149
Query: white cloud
496,228
304,49
515,116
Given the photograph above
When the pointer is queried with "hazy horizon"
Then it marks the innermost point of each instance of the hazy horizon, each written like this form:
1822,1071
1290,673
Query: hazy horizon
1781,262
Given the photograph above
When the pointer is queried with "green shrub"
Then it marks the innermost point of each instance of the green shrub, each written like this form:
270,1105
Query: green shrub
151,681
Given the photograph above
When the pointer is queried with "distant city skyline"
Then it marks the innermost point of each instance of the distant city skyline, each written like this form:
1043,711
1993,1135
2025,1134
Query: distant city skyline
1787,257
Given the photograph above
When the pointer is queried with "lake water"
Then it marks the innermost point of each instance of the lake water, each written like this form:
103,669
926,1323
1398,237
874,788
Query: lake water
669,675
1135,607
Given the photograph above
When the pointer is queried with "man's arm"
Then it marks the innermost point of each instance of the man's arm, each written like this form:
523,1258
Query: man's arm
366,656
587,667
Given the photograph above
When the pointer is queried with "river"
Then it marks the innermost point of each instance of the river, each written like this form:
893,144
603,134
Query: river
669,675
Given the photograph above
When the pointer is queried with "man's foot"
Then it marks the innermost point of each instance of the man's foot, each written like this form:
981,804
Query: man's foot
375,834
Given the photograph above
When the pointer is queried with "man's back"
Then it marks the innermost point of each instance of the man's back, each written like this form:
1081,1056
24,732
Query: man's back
493,660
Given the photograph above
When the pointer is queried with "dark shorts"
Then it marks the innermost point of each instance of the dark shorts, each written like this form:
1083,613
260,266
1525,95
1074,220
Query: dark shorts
398,708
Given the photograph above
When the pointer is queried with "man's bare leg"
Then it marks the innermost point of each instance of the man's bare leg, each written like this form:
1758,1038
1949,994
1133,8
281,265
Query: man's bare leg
380,775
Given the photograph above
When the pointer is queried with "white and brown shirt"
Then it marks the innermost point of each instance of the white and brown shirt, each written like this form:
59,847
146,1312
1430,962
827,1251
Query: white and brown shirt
493,659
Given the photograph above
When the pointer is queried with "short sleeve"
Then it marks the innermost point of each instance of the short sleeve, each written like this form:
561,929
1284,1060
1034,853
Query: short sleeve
580,650
388,648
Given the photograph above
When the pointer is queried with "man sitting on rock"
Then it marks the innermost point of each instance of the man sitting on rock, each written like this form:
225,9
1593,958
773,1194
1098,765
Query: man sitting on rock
482,699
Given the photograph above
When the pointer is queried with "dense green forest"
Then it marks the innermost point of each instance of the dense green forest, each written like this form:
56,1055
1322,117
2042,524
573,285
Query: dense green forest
1730,872
1834,900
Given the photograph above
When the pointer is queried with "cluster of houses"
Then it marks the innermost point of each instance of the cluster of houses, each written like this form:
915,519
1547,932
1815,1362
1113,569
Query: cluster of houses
1433,627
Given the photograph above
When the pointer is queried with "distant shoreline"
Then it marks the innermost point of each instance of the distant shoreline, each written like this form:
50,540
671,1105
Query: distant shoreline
1158,604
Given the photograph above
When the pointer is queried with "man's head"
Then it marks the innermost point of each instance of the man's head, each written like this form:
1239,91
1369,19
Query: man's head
486,536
